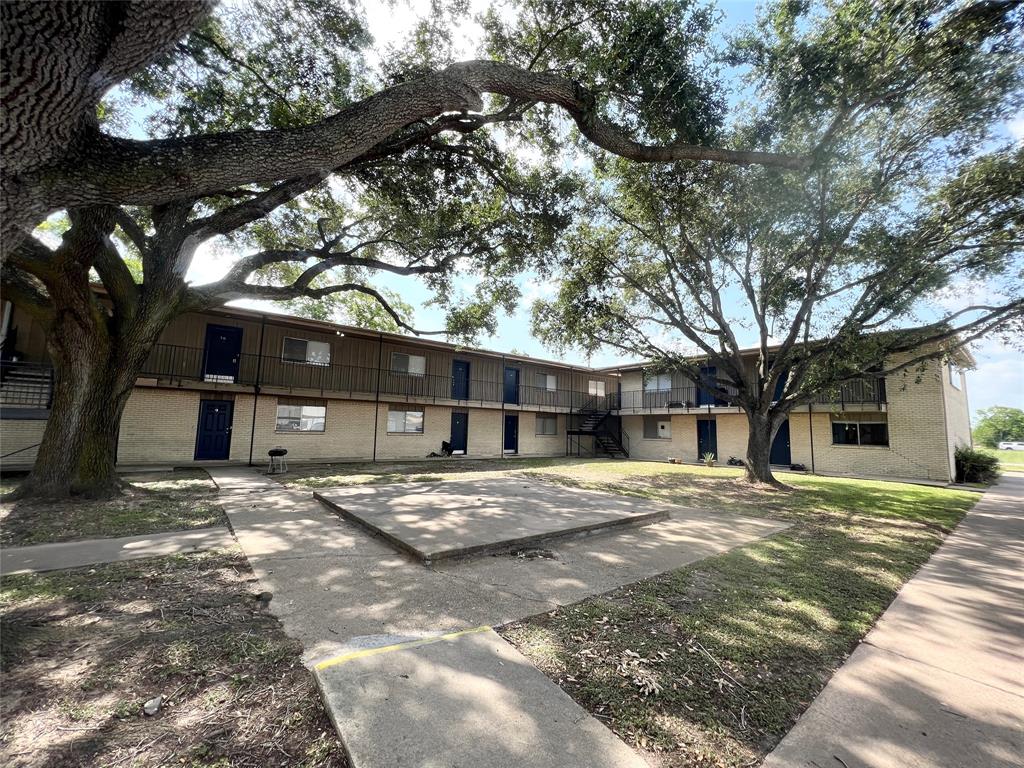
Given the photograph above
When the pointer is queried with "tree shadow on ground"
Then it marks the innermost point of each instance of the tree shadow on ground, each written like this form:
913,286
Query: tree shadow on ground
84,649
713,663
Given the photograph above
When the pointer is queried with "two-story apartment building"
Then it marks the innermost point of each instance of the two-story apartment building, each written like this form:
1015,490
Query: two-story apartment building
907,425
229,385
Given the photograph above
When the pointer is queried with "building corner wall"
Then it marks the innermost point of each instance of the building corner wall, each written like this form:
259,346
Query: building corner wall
957,417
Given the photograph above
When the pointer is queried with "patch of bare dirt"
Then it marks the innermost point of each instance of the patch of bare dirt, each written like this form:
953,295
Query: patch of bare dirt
88,652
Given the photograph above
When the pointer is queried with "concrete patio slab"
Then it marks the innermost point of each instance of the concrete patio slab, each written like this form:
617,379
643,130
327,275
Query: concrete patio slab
336,585
463,518
340,589
467,700
939,681
74,554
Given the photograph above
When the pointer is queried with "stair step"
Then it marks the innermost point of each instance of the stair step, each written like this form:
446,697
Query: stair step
25,388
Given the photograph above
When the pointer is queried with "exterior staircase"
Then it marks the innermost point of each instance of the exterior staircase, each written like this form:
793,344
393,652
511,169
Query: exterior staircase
26,386
605,429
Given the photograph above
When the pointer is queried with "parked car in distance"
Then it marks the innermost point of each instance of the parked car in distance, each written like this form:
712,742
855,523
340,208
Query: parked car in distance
1011,445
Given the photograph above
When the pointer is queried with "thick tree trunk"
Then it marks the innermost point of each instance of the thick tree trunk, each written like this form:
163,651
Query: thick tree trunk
58,60
96,356
79,447
761,431
94,374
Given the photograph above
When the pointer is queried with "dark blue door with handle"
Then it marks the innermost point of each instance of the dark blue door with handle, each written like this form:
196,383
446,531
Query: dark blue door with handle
780,453
512,385
222,353
213,437
707,438
708,375
460,432
511,443
460,380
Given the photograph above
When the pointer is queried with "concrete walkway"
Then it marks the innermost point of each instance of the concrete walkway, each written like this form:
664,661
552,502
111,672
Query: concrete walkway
939,681
74,554
370,620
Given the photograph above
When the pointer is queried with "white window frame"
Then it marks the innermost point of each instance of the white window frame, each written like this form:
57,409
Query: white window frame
310,419
545,417
307,360
954,376
658,382
400,426
412,367
596,388
550,381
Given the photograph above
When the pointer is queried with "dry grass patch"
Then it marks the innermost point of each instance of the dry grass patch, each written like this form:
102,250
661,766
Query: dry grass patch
364,473
84,649
152,502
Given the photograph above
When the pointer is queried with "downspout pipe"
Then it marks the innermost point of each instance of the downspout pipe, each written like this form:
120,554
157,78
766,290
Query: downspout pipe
810,429
501,448
570,422
256,387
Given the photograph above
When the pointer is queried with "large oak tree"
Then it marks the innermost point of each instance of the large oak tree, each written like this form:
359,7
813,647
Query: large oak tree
850,270
270,104
59,59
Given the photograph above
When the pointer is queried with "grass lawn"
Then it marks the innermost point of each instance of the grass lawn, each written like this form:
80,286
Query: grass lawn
84,649
336,475
710,665
1010,461
153,502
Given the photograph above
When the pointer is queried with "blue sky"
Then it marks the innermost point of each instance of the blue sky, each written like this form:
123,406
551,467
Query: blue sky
998,379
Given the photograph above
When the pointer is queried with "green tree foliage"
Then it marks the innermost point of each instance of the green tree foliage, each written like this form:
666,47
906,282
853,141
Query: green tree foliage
648,62
442,191
257,64
839,270
997,424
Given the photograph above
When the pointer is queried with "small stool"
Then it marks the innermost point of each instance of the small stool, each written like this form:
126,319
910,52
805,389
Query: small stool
278,462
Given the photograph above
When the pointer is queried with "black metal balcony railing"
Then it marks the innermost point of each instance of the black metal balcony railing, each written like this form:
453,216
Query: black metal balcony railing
25,385
857,392
689,396
30,385
190,363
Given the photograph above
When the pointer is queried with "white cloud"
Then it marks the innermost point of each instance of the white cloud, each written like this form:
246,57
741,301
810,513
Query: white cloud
390,24
534,288
1015,127
964,293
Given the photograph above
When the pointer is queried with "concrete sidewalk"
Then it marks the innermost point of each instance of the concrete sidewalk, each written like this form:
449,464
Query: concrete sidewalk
939,681
365,614
469,699
74,554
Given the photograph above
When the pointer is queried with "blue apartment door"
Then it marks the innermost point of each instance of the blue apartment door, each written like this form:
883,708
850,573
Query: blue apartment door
460,380
222,353
780,453
213,436
512,385
707,438
707,374
460,432
511,441
780,386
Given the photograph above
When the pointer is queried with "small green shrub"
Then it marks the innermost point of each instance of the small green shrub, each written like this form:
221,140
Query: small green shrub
975,467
